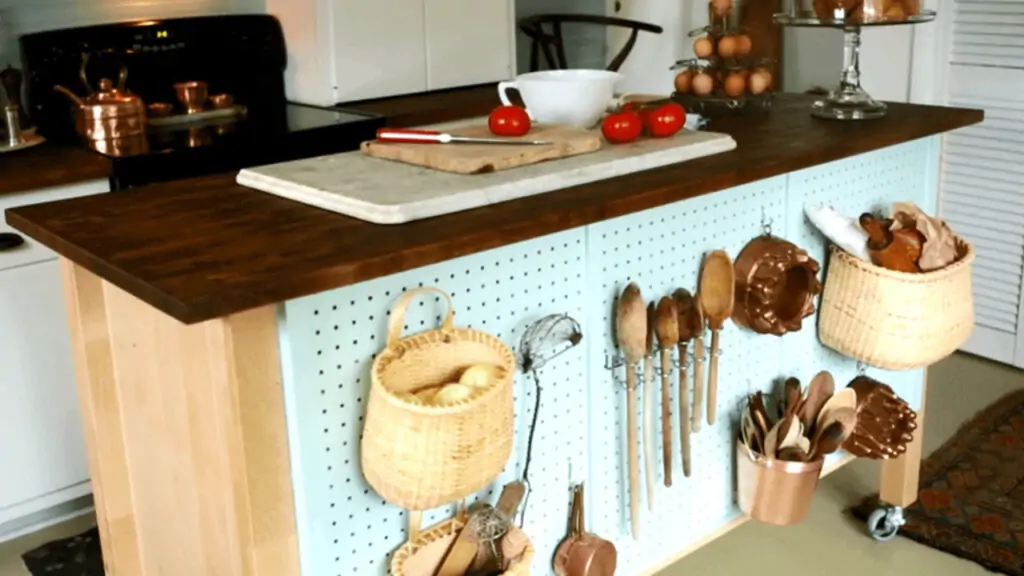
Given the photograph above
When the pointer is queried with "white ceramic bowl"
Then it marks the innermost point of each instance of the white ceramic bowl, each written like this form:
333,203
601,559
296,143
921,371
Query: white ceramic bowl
574,97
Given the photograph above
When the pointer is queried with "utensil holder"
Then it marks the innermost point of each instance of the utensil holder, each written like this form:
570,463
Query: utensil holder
775,491
896,320
423,553
423,456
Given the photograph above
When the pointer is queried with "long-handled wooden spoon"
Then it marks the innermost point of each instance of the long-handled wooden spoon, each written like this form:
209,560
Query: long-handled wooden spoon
717,295
648,400
822,387
667,330
687,308
697,327
631,329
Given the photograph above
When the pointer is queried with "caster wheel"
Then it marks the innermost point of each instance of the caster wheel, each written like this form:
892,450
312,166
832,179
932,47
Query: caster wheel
884,524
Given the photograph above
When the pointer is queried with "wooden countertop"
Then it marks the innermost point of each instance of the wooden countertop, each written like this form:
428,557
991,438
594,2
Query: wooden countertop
204,248
49,165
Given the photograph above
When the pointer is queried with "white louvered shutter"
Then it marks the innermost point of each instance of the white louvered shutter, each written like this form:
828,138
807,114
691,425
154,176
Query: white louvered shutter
982,194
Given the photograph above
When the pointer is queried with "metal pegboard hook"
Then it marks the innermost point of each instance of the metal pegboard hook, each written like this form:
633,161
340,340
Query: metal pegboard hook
766,223
614,362
862,368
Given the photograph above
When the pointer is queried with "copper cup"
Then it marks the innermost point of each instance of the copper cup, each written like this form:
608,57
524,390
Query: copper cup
192,95
775,491
221,101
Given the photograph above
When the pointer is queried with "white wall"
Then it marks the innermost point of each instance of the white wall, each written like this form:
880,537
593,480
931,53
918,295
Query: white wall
814,57
647,68
24,16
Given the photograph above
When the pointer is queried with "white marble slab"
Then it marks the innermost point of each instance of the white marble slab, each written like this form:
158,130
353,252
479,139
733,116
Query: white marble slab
387,192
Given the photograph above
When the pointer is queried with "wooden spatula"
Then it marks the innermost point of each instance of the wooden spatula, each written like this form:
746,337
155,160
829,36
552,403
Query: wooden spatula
717,293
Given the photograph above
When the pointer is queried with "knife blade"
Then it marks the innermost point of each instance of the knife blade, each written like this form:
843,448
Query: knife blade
432,137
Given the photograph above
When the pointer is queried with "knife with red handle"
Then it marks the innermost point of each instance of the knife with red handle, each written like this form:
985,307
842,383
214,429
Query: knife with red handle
431,137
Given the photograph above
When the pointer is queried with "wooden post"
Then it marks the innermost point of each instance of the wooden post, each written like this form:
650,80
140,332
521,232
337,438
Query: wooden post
901,477
185,430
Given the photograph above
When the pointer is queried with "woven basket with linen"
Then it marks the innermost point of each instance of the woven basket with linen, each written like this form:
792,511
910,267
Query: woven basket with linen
423,553
895,320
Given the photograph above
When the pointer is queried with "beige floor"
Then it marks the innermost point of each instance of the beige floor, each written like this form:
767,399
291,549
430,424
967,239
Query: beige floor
829,541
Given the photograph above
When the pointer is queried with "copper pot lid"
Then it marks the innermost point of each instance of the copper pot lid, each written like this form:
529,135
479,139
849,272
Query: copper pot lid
776,283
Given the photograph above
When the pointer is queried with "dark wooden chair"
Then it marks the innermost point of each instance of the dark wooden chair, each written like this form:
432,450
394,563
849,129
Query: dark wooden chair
553,47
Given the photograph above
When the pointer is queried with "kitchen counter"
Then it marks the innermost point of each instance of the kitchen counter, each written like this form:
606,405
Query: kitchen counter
49,165
206,248
223,340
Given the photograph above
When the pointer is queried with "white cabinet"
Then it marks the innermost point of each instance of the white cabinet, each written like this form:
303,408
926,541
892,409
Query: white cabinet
378,48
468,42
42,450
347,50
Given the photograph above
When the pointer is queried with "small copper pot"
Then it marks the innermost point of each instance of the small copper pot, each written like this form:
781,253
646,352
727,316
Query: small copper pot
582,553
776,283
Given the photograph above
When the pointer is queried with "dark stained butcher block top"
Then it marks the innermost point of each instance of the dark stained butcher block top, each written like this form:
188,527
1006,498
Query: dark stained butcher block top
204,248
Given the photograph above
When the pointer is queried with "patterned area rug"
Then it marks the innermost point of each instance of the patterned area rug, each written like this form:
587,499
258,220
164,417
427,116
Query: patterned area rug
971,501
76,556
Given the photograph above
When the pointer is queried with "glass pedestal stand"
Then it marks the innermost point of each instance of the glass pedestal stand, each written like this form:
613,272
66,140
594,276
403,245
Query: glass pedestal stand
849,101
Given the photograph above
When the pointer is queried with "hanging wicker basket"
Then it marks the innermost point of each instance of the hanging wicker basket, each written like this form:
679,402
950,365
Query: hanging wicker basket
422,456
423,553
895,320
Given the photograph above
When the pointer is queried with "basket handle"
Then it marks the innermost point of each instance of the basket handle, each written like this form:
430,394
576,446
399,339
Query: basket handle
398,314
415,520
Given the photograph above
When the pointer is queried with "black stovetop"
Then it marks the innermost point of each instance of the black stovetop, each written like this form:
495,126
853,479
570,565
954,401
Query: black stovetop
243,56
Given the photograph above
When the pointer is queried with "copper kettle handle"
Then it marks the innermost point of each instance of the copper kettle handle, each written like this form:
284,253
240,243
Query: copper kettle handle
83,76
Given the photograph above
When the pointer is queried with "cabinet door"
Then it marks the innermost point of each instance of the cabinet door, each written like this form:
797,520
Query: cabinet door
42,449
469,42
378,48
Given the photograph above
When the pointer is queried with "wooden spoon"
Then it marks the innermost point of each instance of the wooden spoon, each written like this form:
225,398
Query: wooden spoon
667,330
631,329
717,293
771,441
688,310
792,397
834,430
696,325
822,387
649,407
845,398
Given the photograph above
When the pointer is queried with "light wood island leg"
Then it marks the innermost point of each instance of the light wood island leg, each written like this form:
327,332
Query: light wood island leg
185,429
901,477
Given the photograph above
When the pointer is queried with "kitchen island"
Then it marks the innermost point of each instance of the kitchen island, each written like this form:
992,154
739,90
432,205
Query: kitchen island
223,339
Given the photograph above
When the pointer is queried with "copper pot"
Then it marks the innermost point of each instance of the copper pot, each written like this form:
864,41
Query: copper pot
775,491
582,553
110,113
776,283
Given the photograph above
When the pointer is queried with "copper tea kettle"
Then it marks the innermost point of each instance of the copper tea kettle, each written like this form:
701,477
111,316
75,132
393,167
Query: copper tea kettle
109,113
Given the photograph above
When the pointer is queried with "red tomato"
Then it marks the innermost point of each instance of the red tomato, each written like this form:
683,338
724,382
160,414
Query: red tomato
622,127
509,121
643,111
666,120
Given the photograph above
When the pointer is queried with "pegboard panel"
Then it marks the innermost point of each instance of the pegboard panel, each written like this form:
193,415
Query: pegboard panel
329,341
662,250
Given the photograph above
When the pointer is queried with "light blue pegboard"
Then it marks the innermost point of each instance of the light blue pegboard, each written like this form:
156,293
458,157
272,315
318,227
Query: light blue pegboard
329,340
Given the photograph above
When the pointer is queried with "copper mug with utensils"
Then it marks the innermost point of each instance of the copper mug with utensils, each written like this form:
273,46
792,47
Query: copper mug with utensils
193,95
582,553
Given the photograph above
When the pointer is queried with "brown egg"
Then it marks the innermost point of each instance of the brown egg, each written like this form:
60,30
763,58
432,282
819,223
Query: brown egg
683,81
745,72
727,46
766,73
734,85
703,47
720,75
721,7
703,84
743,45
758,82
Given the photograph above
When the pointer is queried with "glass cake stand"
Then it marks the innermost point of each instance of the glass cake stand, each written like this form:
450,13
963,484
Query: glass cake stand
849,101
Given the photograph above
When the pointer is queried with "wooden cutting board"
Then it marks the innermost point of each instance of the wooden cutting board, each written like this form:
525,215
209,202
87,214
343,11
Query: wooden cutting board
485,158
